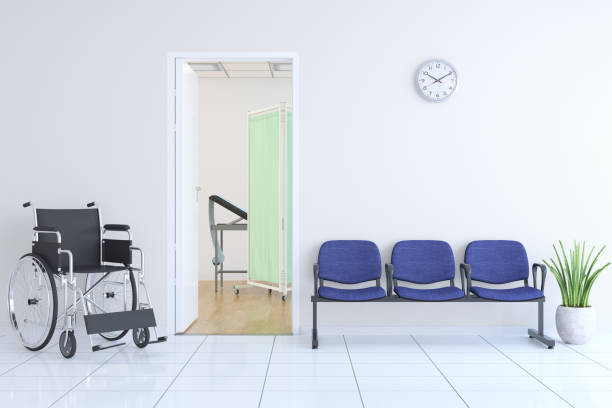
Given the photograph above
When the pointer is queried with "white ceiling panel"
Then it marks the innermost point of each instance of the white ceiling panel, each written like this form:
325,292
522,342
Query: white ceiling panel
246,66
249,74
243,69
216,74
282,74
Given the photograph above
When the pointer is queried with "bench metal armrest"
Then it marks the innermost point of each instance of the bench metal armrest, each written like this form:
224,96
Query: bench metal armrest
534,269
466,271
389,276
315,271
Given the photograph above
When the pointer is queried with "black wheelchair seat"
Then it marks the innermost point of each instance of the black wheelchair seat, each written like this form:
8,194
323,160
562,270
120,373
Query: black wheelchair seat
95,269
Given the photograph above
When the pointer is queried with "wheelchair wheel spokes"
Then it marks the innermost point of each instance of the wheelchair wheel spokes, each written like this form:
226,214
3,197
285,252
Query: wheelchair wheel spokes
32,302
116,293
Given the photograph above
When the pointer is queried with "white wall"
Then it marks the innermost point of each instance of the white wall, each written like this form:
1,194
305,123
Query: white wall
521,150
224,104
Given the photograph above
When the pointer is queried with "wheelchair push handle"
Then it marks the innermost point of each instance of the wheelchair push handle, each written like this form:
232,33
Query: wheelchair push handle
26,204
91,204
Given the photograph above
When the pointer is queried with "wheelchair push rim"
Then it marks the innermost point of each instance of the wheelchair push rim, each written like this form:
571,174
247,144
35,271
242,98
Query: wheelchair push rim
116,293
32,302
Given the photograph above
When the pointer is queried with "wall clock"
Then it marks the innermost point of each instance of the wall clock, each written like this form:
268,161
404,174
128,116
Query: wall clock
436,80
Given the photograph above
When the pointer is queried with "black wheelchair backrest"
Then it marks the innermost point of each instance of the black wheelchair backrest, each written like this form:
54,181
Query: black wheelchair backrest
79,229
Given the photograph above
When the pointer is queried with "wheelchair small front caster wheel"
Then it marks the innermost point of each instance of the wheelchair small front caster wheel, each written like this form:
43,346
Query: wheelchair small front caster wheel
284,298
141,337
236,291
67,344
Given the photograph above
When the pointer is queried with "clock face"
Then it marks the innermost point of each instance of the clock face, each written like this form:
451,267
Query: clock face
436,80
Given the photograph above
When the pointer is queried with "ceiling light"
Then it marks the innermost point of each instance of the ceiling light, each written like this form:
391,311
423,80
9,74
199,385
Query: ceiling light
283,66
205,66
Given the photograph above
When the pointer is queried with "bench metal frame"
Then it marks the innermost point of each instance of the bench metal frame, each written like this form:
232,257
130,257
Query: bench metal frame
537,334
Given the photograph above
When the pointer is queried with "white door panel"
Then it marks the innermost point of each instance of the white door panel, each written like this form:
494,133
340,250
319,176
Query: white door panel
187,189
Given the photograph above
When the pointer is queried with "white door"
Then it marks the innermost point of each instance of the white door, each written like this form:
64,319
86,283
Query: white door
187,190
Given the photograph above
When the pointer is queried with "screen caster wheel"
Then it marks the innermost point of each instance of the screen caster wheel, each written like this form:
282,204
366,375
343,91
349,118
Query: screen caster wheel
284,298
141,337
236,291
67,344
269,291
315,344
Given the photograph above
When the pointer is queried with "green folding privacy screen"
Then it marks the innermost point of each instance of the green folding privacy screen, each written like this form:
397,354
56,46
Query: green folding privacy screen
270,202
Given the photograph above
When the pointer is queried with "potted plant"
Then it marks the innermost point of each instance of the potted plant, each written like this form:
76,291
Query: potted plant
576,274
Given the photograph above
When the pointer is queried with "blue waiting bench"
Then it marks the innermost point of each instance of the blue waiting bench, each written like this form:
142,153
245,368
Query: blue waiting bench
424,262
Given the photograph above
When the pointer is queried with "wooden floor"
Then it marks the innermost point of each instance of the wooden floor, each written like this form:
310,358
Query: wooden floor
253,311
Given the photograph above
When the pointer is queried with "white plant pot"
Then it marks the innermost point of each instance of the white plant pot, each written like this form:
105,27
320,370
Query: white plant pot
575,325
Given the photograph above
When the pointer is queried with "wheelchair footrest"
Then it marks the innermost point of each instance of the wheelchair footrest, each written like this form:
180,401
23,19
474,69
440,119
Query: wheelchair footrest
159,340
108,322
98,348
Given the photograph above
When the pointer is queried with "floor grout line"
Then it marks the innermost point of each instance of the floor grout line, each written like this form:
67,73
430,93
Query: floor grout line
263,387
439,370
527,371
587,357
36,353
353,369
85,378
180,371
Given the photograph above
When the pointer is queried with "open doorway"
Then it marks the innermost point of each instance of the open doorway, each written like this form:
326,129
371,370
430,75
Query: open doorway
234,207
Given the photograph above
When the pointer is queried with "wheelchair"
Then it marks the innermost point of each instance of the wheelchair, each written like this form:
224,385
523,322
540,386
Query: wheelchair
68,243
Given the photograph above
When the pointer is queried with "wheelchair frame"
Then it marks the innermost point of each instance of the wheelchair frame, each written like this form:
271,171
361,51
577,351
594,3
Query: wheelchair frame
138,319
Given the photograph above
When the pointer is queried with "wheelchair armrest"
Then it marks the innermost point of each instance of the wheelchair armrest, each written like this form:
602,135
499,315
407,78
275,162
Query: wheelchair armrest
47,230
116,227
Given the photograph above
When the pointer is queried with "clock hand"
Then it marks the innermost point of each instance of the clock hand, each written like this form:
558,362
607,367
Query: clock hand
435,79
444,76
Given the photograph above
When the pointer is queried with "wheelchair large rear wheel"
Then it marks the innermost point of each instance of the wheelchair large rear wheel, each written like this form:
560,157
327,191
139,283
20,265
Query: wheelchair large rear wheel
116,293
32,302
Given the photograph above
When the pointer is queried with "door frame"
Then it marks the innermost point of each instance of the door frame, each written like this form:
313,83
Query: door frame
172,173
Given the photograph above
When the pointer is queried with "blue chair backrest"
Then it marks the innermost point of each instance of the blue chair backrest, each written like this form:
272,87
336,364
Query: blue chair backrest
497,261
423,261
349,261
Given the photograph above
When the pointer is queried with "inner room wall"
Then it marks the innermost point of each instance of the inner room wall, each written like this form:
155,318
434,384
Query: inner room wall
223,161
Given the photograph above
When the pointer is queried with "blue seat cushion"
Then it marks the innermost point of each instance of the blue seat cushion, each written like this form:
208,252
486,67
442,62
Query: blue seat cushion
508,295
374,292
430,295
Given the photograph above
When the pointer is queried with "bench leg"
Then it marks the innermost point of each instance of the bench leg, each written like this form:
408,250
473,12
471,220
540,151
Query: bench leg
539,334
315,339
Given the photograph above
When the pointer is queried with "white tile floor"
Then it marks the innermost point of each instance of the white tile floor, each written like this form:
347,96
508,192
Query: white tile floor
421,370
